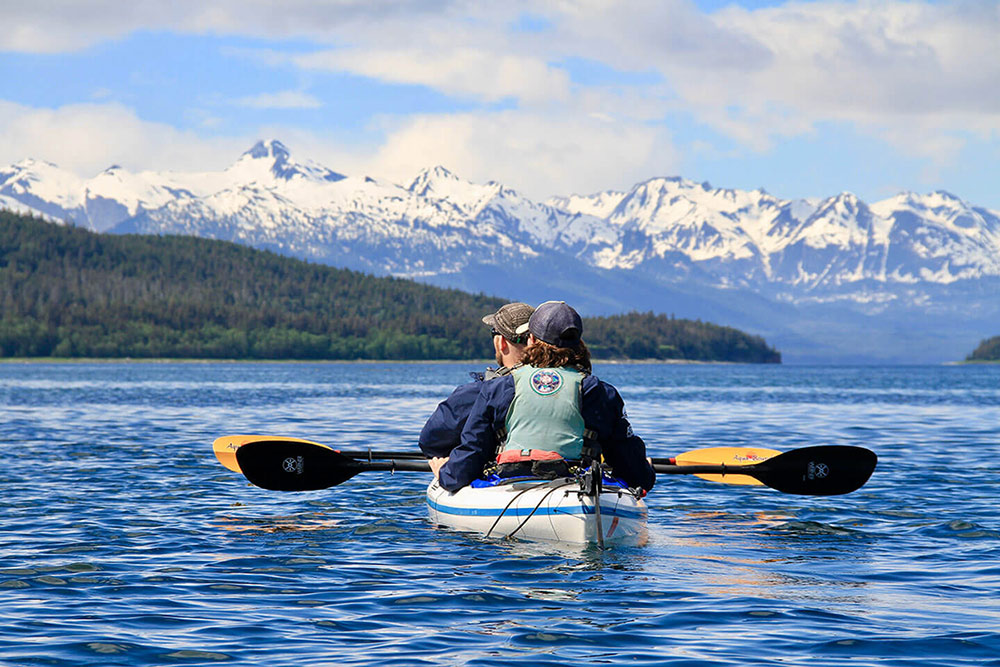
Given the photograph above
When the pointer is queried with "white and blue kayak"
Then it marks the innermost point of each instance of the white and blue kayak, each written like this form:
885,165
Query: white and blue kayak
537,509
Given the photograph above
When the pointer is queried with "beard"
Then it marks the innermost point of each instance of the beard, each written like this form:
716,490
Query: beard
499,359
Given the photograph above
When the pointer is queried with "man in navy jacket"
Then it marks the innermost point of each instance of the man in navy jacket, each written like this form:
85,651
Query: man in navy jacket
443,430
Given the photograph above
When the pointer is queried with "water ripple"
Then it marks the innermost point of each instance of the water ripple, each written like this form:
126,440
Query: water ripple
125,543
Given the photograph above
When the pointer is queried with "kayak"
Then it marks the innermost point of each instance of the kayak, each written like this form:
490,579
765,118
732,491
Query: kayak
541,509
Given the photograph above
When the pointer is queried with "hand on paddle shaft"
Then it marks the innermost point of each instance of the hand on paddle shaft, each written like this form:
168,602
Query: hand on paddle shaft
290,464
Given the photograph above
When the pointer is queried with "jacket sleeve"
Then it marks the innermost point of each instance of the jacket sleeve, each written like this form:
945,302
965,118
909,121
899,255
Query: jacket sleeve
443,431
604,412
478,443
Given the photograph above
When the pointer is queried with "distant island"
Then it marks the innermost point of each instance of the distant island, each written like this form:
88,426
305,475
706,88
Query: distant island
70,293
988,350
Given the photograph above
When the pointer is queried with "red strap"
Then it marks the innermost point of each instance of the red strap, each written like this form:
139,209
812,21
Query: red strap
521,455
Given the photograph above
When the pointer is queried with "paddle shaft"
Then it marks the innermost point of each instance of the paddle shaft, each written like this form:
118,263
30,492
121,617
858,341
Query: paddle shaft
391,465
372,455
664,468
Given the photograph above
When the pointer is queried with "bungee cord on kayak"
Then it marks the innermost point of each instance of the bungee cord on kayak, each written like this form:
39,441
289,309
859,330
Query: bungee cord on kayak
552,486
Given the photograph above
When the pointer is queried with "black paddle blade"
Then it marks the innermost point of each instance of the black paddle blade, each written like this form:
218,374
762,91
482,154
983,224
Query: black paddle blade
826,470
294,466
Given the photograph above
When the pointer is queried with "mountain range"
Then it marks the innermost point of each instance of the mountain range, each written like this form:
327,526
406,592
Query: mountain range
913,278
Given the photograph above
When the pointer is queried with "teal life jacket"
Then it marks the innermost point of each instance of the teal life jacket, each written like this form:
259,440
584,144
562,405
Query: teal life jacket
545,413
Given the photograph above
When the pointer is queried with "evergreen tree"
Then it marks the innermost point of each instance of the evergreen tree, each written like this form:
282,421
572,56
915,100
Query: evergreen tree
988,350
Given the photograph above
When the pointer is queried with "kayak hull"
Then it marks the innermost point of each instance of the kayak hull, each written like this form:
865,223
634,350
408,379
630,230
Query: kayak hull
554,510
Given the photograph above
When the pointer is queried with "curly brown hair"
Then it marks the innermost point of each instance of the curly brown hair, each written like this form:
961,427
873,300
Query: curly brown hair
543,355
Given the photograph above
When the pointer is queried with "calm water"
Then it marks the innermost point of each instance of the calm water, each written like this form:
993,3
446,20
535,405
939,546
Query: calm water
123,541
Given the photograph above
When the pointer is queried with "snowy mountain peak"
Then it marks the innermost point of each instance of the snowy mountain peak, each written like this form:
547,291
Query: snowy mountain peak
441,172
28,164
427,178
271,160
944,195
440,183
847,199
272,148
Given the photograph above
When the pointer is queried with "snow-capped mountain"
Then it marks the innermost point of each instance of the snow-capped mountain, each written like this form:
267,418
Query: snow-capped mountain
746,258
752,239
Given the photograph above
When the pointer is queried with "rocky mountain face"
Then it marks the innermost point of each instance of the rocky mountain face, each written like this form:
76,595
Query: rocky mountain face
831,279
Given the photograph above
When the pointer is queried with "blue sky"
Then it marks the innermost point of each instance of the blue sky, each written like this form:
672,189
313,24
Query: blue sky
804,99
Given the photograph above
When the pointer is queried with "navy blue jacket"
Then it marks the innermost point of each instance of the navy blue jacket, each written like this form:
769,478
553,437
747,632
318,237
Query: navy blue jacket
443,431
603,412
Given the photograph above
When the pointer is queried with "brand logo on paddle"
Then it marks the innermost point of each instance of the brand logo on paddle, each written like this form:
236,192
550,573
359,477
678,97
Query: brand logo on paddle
293,464
546,381
817,470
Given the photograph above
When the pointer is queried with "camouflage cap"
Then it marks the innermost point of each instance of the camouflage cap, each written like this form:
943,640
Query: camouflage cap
509,319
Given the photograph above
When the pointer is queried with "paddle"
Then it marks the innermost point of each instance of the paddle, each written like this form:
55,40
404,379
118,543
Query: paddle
300,465
728,456
226,446
825,470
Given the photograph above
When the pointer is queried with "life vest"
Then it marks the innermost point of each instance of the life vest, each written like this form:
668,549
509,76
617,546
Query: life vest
544,415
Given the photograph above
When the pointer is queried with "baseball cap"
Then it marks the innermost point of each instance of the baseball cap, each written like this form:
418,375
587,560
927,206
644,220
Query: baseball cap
557,324
508,319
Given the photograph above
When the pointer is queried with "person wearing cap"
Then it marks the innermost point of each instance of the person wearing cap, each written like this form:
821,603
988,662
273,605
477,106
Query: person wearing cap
443,430
550,407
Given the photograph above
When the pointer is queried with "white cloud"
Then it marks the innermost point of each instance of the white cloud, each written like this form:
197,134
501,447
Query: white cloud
465,72
59,26
893,69
87,138
286,99
537,154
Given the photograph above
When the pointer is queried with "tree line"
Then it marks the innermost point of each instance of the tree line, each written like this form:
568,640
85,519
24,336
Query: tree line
69,292
988,350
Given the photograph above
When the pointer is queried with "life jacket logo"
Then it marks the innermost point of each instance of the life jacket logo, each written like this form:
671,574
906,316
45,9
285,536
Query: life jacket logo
546,381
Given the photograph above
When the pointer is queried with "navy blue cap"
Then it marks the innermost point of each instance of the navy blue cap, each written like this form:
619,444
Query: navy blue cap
556,323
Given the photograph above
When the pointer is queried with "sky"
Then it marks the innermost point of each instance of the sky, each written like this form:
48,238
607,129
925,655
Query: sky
550,97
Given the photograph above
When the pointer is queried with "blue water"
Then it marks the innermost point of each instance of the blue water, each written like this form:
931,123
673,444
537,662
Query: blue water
124,542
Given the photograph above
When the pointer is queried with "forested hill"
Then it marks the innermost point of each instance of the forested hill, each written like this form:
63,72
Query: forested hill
988,350
68,292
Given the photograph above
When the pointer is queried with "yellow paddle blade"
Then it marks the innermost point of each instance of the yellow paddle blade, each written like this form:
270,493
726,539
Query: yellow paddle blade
730,456
226,446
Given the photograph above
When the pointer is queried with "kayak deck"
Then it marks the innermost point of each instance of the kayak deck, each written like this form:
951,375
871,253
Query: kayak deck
536,509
